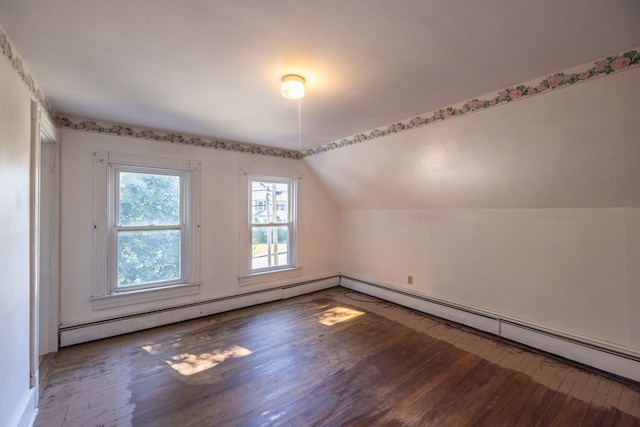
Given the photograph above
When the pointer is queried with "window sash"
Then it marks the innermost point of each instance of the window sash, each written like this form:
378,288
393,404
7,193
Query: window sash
273,258
116,229
289,222
161,272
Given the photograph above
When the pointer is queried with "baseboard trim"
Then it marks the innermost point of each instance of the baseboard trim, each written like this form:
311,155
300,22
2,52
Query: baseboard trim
26,416
91,331
609,359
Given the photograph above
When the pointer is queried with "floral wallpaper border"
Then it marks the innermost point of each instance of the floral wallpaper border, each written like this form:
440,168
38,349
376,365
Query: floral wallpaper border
559,80
602,67
115,129
171,137
16,62
605,66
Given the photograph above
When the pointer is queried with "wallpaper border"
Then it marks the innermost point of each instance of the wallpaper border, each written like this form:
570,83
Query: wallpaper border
18,65
611,64
171,137
602,67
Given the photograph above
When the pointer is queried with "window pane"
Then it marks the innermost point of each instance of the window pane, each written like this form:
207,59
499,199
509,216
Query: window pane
269,202
270,247
148,256
149,199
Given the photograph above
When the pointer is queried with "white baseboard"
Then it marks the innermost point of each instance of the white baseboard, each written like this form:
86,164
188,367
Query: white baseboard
108,328
607,358
26,414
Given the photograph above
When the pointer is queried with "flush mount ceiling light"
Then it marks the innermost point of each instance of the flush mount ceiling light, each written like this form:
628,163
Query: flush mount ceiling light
292,86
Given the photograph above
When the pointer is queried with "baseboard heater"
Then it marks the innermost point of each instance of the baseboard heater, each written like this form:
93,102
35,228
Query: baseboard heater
91,331
616,361
613,360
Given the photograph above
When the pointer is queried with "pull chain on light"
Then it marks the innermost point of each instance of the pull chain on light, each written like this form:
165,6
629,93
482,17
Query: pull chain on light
292,87
299,130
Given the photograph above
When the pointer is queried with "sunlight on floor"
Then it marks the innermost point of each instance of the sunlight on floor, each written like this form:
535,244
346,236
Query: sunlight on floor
338,314
188,364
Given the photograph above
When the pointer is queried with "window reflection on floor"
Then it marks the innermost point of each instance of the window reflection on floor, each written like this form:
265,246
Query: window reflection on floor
188,364
338,314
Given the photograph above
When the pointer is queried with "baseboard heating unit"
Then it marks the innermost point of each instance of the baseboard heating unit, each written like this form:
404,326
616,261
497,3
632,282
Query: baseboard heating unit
602,356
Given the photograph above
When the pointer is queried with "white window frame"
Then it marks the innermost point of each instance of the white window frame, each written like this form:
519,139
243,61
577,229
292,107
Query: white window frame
106,293
115,171
248,276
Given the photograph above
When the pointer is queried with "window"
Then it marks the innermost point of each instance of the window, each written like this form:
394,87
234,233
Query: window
146,228
149,227
271,223
270,232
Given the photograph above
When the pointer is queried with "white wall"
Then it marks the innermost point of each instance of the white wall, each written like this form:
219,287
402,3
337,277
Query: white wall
570,270
16,398
530,210
220,205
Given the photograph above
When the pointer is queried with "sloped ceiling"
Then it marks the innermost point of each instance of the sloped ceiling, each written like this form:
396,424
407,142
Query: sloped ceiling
213,68
576,147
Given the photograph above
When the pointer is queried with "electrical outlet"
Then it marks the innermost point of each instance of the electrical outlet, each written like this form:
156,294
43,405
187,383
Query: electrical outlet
409,280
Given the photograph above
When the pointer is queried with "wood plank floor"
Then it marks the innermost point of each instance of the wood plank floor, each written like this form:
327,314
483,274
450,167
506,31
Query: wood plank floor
330,358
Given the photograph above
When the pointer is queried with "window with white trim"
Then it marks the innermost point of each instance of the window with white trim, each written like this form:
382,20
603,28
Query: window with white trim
148,232
270,231
271,223
146,229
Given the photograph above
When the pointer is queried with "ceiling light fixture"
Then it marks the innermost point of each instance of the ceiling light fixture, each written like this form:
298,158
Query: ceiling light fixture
292,86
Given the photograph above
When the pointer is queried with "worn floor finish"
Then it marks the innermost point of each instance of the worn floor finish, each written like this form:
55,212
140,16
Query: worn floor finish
330,358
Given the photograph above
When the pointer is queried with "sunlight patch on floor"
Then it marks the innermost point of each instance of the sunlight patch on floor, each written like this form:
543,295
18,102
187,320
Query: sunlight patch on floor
338,314
188,364
152,349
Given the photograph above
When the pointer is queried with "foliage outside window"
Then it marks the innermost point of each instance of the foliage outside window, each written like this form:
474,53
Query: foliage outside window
146,231
149,228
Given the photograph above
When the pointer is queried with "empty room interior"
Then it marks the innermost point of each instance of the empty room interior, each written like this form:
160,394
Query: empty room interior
320,212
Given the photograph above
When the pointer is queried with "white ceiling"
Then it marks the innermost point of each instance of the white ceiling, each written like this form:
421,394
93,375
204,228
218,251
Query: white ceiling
213,68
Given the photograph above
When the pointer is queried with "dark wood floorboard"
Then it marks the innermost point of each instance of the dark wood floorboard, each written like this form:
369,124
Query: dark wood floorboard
306,362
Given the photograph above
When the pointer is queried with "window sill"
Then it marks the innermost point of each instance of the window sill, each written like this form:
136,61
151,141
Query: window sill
145,295
268,277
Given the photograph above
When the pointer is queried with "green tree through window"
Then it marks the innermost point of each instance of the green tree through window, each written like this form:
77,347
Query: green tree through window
149,228
146,234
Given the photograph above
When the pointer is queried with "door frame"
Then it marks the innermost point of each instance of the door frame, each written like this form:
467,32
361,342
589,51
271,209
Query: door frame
44,228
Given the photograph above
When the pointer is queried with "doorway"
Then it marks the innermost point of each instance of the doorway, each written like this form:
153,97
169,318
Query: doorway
44,238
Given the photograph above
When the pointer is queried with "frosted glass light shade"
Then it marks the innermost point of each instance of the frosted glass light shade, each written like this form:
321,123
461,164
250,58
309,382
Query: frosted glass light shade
292,87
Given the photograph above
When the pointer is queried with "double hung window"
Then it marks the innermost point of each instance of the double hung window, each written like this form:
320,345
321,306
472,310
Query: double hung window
271,231
146,240
271,224
149,228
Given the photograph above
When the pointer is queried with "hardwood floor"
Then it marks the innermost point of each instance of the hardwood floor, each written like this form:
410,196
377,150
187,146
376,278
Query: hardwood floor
334,357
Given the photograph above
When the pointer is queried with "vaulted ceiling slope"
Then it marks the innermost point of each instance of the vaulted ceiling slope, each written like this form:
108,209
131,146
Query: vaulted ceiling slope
213,68
575,147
